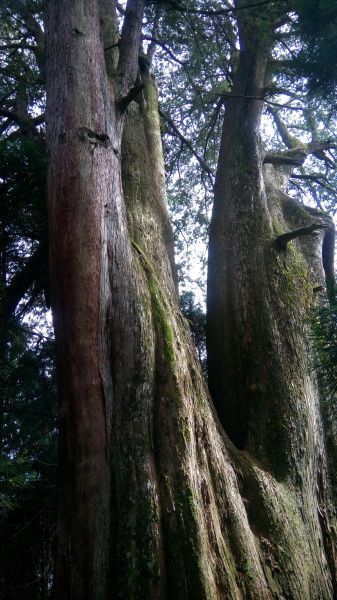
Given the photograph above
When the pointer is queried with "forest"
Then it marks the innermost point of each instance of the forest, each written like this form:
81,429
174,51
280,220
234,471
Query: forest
168,303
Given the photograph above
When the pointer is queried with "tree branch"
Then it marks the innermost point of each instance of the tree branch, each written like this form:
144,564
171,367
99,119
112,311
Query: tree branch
35,270
294,157
18,46
26,124
214,13
35,29
280,243
289,140
186,142
157,42
320,179
269,102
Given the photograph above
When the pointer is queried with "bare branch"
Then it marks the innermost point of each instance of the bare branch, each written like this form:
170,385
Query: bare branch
186,142
319,178
35,29
280,243
18,46
289,140
157,42
294,157
26,124
278,104
34,271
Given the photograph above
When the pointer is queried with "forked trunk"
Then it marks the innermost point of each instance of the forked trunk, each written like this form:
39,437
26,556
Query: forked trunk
260,294
154,501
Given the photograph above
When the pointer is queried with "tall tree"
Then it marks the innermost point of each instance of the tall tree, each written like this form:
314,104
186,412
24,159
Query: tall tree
155,501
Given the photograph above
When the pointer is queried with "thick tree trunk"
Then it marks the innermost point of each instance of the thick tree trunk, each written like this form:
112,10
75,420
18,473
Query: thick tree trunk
154,502
82,168
259,300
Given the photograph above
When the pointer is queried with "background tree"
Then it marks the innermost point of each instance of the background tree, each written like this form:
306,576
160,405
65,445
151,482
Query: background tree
27,383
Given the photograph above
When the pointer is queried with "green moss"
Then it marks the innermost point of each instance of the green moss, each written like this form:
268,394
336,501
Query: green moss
186,433
159,308
188,505
293,211
294,287
162,321
297,288
138,561
277,229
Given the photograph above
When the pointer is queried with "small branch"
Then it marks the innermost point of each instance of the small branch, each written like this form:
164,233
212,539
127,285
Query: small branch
35,29
34,271
280,243
157,42
17,46
133,93
186,142
26,124
287,139
169,52
212,123
320,179
269,102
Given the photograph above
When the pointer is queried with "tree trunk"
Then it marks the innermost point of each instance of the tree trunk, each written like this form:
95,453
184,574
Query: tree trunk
154,501
258,306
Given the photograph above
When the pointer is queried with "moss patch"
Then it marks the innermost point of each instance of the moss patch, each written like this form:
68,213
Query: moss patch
160,309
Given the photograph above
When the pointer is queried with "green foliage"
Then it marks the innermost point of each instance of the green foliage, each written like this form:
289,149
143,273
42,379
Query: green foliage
196,317
15,476
318,27
324,343
28,462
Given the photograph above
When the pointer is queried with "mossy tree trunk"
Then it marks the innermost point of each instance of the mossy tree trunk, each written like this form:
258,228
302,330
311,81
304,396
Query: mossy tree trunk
155,502
259,299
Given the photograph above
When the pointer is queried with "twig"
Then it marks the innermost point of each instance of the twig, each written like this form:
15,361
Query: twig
186,142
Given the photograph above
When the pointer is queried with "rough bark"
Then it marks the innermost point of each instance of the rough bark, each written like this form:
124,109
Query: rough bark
155,502
259,301
83,183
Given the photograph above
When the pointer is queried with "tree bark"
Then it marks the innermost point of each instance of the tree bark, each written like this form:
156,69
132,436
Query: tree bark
155,502
259,299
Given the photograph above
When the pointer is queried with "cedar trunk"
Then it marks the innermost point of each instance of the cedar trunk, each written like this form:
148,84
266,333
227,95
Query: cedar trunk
155,501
